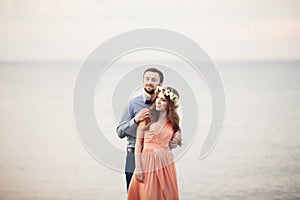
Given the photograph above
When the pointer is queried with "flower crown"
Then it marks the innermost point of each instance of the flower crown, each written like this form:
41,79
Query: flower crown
167,92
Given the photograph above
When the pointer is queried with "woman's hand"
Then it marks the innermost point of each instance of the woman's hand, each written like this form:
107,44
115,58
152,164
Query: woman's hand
139,176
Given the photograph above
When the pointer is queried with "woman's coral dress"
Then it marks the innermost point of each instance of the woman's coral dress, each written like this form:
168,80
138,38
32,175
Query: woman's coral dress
160,181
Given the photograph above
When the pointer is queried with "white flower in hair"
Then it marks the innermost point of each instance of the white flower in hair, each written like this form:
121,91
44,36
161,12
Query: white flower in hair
168,92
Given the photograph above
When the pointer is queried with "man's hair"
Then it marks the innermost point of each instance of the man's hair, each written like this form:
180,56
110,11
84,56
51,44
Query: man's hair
152,69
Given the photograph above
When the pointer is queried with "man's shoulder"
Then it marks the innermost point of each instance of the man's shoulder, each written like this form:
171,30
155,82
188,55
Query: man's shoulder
136,99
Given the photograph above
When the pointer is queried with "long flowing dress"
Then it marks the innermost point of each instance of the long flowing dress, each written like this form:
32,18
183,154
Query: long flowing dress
157,161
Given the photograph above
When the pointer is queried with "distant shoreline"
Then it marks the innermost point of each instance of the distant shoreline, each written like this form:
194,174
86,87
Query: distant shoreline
81,61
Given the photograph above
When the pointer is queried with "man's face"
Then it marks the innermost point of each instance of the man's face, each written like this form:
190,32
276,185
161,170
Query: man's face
151,81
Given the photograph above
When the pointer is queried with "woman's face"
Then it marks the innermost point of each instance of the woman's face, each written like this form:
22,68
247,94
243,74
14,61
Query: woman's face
161,102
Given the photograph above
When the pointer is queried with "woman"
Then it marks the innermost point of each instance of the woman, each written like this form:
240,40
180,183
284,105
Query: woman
155,173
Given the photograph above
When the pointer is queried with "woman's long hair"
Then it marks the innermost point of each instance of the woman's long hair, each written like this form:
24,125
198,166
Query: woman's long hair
172,115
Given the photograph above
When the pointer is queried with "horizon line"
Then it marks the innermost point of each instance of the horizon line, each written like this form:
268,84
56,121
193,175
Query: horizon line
37,61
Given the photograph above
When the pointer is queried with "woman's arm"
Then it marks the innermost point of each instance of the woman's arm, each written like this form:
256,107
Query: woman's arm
139,173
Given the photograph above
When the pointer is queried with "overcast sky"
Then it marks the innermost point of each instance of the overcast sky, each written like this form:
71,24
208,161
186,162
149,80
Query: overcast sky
227,30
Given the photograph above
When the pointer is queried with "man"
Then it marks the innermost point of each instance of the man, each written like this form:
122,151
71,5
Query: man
138,110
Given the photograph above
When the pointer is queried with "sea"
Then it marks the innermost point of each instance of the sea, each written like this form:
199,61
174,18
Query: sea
257,154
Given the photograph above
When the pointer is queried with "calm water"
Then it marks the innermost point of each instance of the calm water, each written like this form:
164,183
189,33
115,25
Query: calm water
257,156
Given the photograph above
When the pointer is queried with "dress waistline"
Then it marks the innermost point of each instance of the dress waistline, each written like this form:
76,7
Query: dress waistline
154,146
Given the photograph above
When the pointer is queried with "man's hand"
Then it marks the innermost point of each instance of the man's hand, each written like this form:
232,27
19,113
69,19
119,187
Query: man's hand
142,115
174,142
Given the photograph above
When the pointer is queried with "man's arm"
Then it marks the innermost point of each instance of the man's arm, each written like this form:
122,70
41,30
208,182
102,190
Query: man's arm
127,126
175,141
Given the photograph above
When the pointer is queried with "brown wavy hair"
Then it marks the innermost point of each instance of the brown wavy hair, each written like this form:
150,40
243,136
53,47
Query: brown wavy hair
172,114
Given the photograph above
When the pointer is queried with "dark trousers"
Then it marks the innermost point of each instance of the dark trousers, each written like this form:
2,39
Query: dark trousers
129,166
128,178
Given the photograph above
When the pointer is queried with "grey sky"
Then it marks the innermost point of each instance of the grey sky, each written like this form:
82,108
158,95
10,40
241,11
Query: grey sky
227,30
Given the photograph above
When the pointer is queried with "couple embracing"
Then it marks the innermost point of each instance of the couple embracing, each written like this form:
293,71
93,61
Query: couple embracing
151,124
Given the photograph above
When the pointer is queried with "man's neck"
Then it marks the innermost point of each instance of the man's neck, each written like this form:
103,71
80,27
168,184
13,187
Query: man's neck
148,95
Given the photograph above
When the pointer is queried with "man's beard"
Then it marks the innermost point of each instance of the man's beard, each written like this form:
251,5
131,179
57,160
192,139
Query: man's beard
149,92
